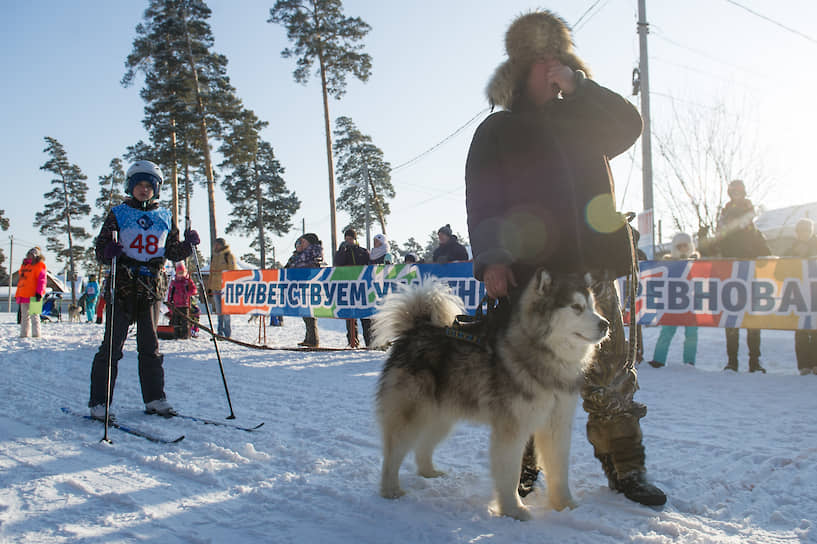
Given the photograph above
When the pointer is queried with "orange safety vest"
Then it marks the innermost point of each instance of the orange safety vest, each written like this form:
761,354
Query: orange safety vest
27,279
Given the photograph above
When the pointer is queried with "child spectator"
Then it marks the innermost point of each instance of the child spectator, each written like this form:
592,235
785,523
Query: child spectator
682,248
91,296
182,289
805,341
31,280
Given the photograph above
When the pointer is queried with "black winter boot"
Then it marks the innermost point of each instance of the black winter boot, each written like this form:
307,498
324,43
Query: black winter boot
754,366
636,488
732,364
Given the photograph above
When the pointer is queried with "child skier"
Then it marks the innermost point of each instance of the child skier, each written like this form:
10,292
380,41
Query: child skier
145,239
91,295
182,289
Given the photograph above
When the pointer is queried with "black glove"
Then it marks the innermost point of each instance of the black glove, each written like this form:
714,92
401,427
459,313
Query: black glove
113,249
38,297
192,237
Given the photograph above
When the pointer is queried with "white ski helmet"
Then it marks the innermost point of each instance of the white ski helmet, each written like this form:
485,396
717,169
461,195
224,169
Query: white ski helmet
144,171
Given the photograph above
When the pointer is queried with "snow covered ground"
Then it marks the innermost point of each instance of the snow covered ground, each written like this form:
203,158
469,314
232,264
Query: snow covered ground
736,453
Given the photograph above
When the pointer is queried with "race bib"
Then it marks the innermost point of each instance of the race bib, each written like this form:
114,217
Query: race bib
142,233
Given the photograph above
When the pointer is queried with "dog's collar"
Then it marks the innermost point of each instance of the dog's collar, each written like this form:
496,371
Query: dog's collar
459,334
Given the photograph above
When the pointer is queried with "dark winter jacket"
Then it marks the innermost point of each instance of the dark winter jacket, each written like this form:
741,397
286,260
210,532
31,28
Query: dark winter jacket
450,251
803,248
311,257
539,191
140,279
351,255
738,237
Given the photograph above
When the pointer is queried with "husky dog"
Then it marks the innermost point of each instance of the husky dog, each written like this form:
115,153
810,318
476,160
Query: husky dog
523,381
74,313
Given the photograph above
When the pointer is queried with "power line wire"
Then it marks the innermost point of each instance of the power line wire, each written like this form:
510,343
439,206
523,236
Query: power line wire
438,144
774,22
581,23
658,33
579,20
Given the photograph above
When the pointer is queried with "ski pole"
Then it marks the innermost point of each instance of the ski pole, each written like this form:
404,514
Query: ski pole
213,334
109,327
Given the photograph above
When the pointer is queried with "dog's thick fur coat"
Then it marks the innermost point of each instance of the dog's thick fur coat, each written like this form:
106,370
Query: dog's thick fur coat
524,381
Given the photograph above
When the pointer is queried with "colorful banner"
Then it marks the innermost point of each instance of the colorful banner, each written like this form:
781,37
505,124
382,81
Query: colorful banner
761,294
341,292
764,294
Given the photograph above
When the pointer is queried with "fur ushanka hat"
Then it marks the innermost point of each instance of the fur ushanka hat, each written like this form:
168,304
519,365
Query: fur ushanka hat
529,38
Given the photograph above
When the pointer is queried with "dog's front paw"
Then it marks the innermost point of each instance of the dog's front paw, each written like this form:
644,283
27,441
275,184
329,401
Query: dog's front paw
391,492
520,512
432,473
560,503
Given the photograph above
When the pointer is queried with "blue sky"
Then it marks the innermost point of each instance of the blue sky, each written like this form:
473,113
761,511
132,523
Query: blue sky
431,59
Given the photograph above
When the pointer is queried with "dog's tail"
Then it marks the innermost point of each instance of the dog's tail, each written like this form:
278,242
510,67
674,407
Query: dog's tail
430,302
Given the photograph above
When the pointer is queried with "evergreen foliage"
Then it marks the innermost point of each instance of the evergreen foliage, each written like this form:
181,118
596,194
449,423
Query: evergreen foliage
363,175
413,245
255,187
64,207
321,33
187,92
111,192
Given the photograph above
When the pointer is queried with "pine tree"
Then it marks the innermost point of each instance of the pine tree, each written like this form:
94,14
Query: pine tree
412,245
111,192
187,91
65,206
363,174
322,34
4,225
259,196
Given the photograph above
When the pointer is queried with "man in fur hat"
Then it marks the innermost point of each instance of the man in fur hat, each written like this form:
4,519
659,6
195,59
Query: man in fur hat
539,193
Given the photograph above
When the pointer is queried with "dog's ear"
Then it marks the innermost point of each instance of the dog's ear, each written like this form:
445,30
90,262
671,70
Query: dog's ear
543,281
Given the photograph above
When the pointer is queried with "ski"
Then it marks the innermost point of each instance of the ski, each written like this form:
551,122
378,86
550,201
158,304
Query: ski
127,429
220,423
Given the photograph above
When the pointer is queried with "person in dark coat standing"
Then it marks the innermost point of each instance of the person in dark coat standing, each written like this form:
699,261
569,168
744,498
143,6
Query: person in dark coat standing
351,254
805,340
738,238
450,249
308,254
539,194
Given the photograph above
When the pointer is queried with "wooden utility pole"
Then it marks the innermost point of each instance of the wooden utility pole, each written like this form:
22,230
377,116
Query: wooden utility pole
646,138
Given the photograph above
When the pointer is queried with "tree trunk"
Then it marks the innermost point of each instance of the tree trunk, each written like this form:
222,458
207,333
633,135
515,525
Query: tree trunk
73,271
174,174
329,161
380,216
260,217
205,143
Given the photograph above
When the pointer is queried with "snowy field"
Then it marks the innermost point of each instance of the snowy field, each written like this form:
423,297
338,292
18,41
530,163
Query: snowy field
736,453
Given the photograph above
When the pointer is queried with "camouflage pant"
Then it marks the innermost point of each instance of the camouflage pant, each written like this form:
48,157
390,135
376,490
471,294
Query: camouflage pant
613,416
